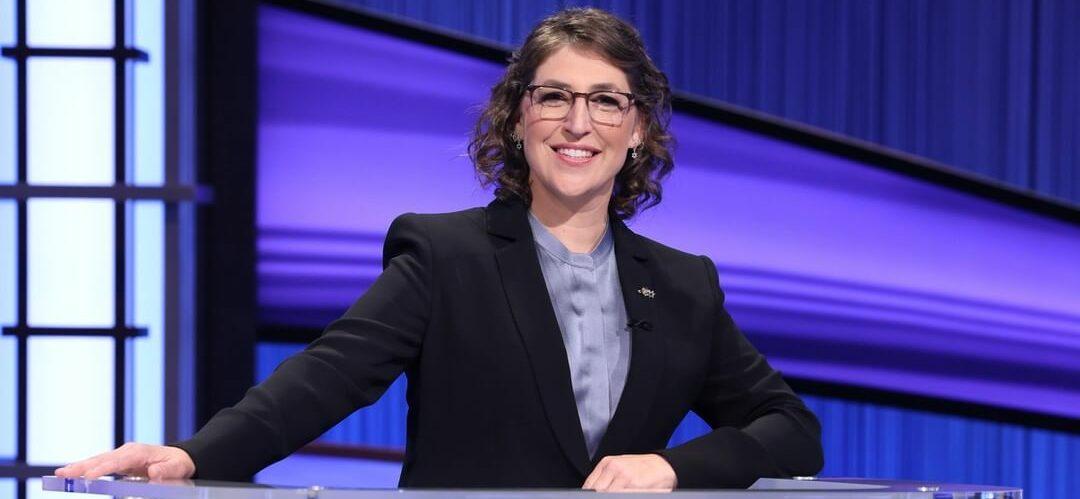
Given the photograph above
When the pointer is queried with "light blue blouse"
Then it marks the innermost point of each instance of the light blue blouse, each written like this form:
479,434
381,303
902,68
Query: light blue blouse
585,292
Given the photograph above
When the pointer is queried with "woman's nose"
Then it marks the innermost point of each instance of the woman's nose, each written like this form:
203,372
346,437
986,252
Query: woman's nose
577,120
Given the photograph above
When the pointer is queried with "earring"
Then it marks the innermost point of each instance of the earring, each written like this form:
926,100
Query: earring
633,153
518,145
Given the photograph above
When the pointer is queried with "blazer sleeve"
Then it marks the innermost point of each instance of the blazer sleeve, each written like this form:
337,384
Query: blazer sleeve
348,367
760,427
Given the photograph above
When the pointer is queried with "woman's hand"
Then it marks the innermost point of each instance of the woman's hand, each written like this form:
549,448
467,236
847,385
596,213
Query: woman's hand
153,461
634,472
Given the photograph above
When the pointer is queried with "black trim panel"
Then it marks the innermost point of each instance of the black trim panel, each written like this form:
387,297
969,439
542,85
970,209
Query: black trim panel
110,332
120,53
167,193
21,471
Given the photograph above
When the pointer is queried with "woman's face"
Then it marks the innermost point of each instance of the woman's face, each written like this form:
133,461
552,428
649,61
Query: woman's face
573,160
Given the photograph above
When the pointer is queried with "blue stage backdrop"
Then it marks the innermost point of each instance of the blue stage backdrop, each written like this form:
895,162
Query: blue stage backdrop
357,127
992,87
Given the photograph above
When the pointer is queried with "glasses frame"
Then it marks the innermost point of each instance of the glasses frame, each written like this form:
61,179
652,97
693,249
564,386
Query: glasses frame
586,95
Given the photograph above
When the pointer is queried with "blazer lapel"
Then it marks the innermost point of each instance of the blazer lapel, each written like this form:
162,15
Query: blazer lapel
526,291
647,350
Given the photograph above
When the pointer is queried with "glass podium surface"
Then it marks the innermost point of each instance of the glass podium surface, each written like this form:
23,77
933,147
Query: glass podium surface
771,488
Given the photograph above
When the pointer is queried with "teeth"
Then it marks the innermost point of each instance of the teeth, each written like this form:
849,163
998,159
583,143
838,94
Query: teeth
575,153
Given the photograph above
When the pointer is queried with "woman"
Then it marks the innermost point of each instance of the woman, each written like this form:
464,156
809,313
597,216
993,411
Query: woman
546,344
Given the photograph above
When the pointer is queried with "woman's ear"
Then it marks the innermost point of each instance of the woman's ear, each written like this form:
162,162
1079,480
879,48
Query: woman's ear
519,126
639,133
519,123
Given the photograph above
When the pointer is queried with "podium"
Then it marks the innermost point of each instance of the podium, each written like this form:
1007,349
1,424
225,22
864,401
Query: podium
771,488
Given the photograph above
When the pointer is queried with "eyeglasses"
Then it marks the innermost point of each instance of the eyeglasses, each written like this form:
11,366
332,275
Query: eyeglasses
606,107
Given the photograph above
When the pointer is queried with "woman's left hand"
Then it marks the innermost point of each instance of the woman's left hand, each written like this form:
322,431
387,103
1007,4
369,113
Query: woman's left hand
633,472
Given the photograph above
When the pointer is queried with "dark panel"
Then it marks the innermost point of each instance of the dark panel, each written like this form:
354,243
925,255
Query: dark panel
226,307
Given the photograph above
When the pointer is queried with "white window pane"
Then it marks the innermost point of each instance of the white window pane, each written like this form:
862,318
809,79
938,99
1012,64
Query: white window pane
70,121
8,418
149,129
70,259
70,398
7,318
69,23
7,120
7,22
7,94
149,301
8,220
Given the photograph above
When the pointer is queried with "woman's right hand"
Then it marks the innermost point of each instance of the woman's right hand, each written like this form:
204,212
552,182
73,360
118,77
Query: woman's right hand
156,462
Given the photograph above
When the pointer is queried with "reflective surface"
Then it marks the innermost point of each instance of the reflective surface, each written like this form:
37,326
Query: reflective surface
770,488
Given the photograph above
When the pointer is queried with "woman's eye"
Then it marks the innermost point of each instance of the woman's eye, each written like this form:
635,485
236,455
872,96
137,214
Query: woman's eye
606,100
553,97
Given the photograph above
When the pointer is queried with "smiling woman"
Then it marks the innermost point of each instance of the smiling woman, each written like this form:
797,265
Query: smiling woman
572,157
545,344
520,124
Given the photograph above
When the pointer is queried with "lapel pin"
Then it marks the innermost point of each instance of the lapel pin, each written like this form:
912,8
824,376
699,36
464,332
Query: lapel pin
646,292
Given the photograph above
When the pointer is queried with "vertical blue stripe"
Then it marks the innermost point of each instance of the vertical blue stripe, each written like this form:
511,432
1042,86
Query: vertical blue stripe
148,128
919,445
381,425
7,94
148,300
148,219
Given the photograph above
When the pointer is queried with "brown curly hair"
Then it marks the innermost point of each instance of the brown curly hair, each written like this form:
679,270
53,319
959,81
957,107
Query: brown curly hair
492,147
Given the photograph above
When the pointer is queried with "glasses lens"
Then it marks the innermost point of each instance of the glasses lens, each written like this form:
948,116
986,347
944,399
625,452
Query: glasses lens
553,102
608,107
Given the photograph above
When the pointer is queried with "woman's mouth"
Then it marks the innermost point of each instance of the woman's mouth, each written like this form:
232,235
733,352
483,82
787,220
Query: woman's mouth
575,156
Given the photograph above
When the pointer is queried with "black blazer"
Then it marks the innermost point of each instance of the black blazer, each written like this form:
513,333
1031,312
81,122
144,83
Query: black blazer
462,308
